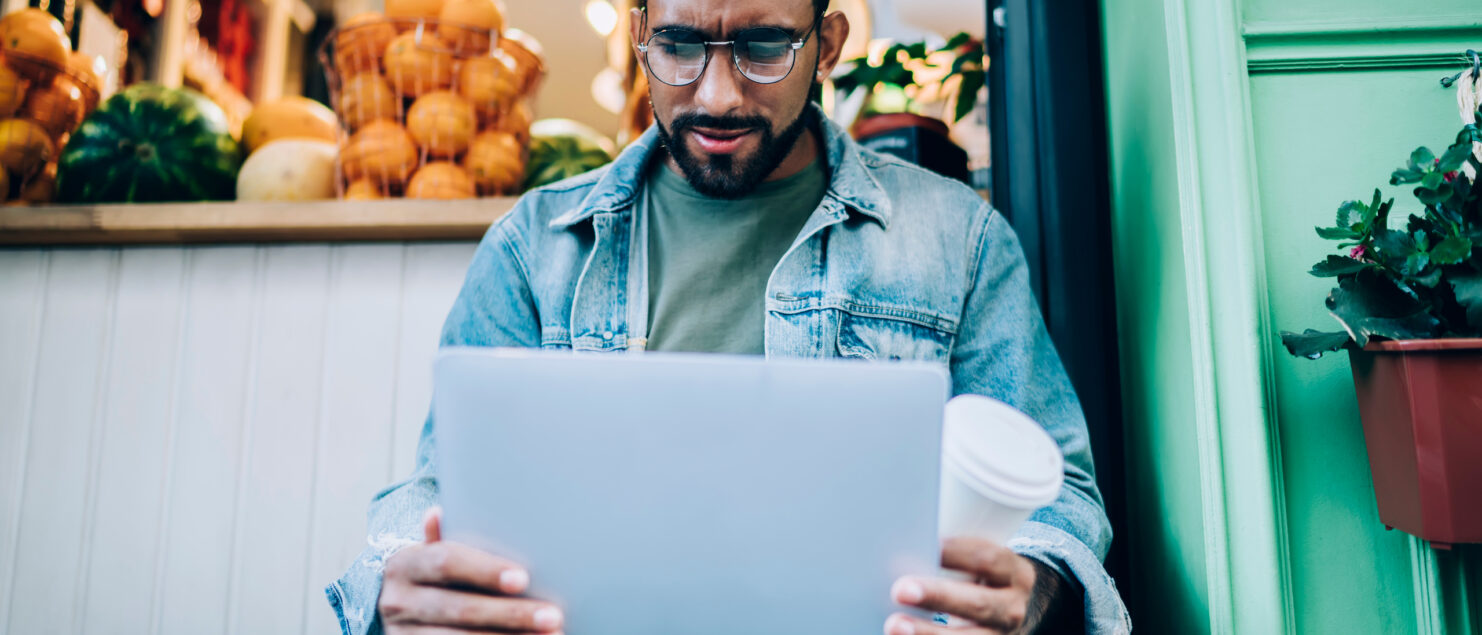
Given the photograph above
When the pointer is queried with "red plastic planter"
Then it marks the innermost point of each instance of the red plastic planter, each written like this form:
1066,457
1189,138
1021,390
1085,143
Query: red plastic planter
1421,404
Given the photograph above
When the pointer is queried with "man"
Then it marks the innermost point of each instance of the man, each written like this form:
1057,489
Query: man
745,222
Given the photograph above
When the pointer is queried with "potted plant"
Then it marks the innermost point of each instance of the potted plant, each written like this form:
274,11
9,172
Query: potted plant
912,95
1409,300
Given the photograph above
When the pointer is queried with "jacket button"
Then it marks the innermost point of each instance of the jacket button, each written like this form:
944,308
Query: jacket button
607,335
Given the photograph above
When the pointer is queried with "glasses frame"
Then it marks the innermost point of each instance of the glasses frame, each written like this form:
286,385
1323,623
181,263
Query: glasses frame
796,45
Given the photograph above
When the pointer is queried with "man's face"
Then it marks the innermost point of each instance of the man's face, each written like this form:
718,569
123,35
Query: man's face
726,132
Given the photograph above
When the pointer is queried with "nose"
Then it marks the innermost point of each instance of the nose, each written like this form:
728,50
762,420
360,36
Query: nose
719,88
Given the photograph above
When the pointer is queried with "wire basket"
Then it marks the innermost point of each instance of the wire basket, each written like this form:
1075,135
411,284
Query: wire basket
430,109
41,105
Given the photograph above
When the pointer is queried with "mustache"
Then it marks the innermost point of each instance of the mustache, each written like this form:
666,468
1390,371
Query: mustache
700,120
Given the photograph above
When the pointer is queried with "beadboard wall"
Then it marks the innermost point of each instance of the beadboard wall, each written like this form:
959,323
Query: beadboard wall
189,436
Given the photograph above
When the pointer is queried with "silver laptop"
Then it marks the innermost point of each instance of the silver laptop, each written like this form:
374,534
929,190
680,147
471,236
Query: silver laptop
654,494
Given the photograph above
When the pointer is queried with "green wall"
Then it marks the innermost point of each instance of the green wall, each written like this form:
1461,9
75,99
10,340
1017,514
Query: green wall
1236,127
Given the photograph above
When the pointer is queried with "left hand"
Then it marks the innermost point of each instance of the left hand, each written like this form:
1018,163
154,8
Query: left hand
997,602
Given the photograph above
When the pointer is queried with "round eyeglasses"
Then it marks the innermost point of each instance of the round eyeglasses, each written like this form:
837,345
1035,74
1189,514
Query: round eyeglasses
764,55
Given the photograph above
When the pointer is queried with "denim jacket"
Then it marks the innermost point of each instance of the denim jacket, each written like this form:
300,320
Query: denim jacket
896,263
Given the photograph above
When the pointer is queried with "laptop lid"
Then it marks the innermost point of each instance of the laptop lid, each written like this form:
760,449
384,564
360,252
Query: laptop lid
723,495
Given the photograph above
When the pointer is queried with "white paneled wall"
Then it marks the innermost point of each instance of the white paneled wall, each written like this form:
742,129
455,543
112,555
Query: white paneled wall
189,436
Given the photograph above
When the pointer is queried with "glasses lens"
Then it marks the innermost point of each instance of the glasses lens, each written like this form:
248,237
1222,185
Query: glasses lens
765,56
676,57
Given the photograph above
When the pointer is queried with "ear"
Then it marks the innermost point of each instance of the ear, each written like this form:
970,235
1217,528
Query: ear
636,25
831,35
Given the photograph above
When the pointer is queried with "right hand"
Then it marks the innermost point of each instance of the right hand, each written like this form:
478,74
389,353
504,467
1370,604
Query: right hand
442,588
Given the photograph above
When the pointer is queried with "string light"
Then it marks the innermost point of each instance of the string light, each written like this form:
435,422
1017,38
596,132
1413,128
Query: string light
602,16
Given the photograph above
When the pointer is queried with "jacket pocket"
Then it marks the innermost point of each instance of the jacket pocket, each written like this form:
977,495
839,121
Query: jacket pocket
886,337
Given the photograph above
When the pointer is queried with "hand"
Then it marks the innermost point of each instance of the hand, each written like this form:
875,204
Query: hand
1006,597
443,588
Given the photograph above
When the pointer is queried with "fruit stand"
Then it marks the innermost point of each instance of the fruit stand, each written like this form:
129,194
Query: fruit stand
427,132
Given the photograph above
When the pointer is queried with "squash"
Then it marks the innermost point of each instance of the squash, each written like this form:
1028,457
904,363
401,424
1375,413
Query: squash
289,118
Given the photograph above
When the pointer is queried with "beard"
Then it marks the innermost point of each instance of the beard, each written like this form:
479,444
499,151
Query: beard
728,176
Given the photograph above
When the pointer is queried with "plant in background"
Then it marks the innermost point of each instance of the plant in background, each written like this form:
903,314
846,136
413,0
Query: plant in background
1419,281
906,75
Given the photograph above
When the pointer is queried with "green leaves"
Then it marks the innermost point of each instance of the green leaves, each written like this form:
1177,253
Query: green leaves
1336,266
1312,344
1368,304
1420,281
1468,289
900,63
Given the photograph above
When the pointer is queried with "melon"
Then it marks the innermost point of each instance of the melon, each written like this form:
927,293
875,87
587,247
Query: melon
289,170
561,149
289,118
150,143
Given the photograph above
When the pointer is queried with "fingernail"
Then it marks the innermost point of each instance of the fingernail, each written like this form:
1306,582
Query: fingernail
514,581
908,591
547,618
898,625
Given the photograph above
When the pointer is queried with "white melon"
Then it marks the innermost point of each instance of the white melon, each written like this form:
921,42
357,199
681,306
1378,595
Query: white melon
289,170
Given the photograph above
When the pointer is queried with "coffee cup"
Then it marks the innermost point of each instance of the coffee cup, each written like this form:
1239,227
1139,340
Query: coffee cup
998,467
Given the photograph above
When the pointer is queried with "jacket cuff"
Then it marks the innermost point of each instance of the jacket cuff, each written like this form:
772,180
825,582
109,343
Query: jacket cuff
1069,557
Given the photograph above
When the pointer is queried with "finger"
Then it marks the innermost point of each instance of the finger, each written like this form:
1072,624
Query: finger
453,564
438,607
432,524
993,564
998,608
899,624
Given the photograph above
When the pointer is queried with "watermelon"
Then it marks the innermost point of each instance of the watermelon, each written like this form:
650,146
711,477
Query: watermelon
148,144
561,148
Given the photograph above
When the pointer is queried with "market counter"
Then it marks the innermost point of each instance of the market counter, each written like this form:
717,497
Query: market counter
239,222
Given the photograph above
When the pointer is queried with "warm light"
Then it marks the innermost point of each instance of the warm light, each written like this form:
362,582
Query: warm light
602,16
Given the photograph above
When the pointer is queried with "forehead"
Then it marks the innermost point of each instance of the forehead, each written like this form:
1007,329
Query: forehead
722,16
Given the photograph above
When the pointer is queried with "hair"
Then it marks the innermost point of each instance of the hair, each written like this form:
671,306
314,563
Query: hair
819,6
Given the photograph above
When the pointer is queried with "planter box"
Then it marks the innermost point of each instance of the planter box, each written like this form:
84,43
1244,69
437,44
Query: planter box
1421,404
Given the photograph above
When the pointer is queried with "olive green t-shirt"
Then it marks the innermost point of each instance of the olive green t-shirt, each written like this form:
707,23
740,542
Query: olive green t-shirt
709,259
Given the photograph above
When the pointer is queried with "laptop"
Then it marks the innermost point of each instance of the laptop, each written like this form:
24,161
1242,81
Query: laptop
656,493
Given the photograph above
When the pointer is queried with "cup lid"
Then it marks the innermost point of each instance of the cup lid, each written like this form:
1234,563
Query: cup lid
1001,453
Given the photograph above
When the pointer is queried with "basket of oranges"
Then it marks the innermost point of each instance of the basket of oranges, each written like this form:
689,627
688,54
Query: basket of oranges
433,97
46,89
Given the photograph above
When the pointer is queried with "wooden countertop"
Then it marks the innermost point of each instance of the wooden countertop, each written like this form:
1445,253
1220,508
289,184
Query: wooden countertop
234,222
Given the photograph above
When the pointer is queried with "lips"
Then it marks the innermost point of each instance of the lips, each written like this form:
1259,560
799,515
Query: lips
720,140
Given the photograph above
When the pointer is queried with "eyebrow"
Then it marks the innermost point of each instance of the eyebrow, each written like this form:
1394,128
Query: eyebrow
791,31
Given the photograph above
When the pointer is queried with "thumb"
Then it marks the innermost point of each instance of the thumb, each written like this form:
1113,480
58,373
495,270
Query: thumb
432,524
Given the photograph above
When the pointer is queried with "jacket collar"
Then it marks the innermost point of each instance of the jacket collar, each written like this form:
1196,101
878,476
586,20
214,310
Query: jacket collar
850,180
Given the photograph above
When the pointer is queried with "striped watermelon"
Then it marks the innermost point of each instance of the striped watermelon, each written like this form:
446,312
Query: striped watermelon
150,144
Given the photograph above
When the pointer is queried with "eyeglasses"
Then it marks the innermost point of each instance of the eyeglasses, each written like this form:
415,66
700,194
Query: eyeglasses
764,55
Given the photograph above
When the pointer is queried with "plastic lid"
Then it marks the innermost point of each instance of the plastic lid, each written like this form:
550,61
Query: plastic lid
1001,453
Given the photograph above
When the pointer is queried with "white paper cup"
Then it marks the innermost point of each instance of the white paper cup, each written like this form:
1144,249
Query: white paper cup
998,467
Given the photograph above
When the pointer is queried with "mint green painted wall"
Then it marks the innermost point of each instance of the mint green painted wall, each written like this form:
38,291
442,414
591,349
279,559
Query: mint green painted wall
1236,126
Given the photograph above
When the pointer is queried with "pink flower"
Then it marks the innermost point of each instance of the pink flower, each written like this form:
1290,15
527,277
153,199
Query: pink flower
1450,176
1359,253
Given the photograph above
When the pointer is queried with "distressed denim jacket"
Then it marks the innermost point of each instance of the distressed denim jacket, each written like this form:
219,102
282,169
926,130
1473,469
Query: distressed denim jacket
896,263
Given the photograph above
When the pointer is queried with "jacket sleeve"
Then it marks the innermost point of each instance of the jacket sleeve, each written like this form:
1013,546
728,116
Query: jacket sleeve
494,308
1003,351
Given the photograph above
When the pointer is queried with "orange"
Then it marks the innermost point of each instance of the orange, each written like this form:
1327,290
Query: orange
516,121
489,83
494,161
87,69
525,54
41,188
360,42
25,147
381,151
406,13
35,42
443,123
289,118
59,108
466,24
363,190
440,180
417,69
12,90
366,97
